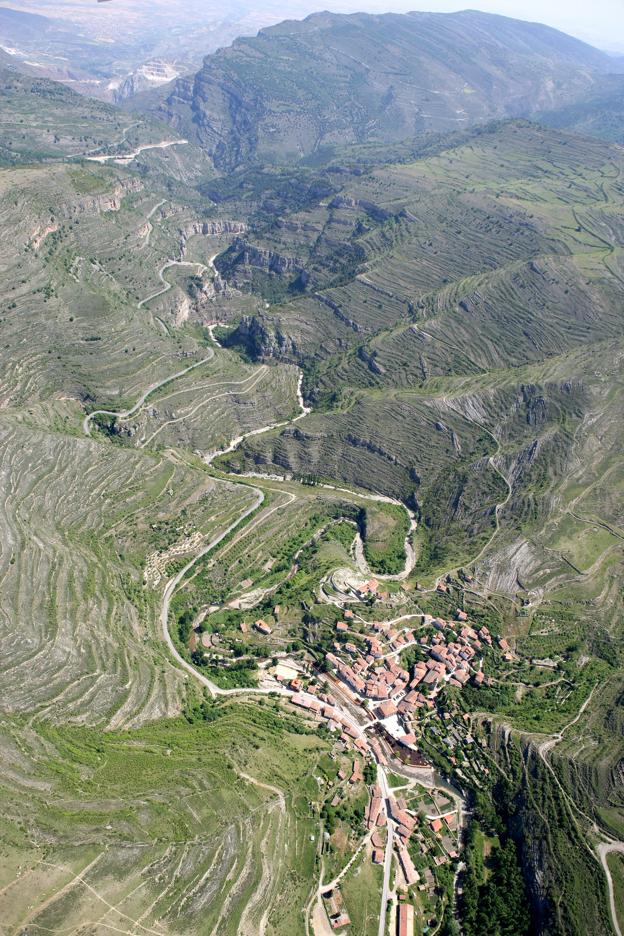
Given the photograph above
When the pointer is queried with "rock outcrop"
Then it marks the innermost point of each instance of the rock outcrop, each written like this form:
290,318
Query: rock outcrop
212,228
262,338
249,255
88,206
147,76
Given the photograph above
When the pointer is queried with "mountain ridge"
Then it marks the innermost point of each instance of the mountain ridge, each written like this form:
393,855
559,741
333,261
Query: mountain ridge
373,77
258,423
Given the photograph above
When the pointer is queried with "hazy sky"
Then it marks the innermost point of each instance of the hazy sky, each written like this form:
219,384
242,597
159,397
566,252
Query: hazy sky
600,22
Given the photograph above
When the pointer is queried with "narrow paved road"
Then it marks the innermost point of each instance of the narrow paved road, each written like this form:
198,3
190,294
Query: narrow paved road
168,593
604,850
385,890
124,414
123,158
173,583
97,149
167,286
148,220
246,386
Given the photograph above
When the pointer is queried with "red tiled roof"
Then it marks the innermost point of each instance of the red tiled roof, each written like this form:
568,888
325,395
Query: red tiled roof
387,708
407,865
406,920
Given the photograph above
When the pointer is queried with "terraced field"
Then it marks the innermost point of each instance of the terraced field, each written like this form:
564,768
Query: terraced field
482,240
117,813
80,519
429,392
233,400
472,328
141,831
80,273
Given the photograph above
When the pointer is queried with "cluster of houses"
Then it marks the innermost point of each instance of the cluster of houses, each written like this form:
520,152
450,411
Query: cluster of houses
368,673
373,676
375,819
369,589
405,826
323,707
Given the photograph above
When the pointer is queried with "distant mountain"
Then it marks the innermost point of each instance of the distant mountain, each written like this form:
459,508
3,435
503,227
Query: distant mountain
64,51
334,79
599,113
50,48
146,77
19,26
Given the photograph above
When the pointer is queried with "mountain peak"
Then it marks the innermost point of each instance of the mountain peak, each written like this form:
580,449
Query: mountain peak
334,79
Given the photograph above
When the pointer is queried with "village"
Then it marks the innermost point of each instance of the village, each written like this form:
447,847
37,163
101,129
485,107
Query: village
379,696
384,684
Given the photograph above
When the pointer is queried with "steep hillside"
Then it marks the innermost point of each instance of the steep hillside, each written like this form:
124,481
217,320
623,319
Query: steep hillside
42,119
280,443
429,301
599,113
459,322
45,120
301,86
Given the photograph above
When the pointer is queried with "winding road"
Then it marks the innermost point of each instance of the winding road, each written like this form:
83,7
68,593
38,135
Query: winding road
167,286
125,414
124,158
602,850
171,587
174,582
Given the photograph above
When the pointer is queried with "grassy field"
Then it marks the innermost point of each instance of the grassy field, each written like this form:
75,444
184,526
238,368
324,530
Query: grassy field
126,829
385,529
361,889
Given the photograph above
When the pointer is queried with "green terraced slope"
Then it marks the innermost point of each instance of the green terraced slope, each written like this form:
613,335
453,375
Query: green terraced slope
486,286
173,828
262,426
